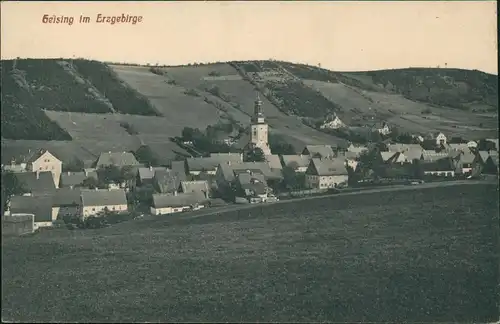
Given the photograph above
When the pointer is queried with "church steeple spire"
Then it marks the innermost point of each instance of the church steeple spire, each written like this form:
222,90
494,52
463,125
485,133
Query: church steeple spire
258,114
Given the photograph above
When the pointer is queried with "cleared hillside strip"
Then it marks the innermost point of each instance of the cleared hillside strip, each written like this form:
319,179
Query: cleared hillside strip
123,98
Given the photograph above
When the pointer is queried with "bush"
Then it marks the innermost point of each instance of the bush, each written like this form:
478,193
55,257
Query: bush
192,92
129,128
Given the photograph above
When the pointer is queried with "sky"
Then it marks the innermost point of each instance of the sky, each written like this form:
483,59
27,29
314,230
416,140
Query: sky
341,36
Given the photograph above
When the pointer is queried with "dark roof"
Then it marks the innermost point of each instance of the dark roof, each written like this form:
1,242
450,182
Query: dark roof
66,197
192,186
44,182
211,163
40,206
180,168
119,159
301,160
103,197
323,150
439,165
327,167
167,180
69,179
148,173
179,200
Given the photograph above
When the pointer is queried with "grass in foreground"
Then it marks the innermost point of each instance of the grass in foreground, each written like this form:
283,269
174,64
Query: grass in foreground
420,255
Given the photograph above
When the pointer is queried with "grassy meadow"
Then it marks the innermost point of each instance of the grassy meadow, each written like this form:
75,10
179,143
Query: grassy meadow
420,255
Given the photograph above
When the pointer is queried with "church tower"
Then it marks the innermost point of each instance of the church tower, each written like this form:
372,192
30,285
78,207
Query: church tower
259,129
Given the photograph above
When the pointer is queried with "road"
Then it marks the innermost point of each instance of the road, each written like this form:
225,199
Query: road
230,208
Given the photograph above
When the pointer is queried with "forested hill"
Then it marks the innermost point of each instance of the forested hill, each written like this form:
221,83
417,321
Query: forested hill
64,100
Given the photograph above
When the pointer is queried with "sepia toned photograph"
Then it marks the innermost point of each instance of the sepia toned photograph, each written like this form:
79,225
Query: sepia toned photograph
250,161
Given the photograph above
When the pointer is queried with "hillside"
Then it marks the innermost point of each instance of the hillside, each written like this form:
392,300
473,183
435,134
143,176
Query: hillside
77,105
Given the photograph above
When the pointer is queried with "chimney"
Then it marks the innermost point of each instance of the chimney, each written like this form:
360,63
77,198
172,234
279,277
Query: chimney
86,173
228,162
69,172
175,193
37,175
150,168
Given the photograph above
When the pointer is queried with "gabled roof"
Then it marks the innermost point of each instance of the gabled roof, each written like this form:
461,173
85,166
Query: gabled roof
167,180
386,156
103,197
483,155
69,179
439,165
351,155
357,149
43,183
274,161
398,147
301,160
467,158
180,168
64,197
460,147
40,206
148,173
260,166
119,159
192,186
494,140
179,200
327,167
429,155
37,154
226,172
211,163
323,150
254,182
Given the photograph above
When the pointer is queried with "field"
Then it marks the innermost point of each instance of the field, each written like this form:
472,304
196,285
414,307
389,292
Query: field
421,256
404,113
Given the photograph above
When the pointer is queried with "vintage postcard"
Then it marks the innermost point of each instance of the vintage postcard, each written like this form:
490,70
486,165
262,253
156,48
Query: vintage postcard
249,161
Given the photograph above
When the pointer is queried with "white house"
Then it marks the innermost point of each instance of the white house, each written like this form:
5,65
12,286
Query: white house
384,130
326,173
440,139
97,201
335,123
176,203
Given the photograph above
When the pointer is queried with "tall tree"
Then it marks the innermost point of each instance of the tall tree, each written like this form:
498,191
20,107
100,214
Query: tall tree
11,186
255,155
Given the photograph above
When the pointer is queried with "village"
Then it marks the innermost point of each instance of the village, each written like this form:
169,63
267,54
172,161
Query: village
43,195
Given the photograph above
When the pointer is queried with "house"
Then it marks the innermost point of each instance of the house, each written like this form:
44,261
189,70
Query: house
195,186
319,151
472,144
298,163
38,161
179,202
39,206
383,129
167,181
326,173
403,148
95,202
117,159
209,164
411,155
351,159
227,173
467,162
36,182
462,147
253,186
494,141
20,224
391,157
357,149
76,179
180,168
429,155
333,123
274,162
145,175
438,137
442,168
488,163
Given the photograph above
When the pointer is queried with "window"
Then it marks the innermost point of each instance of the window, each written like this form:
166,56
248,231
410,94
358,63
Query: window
93,209
113,208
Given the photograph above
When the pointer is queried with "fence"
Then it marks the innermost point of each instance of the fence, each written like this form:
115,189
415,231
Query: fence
300,193
18,225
